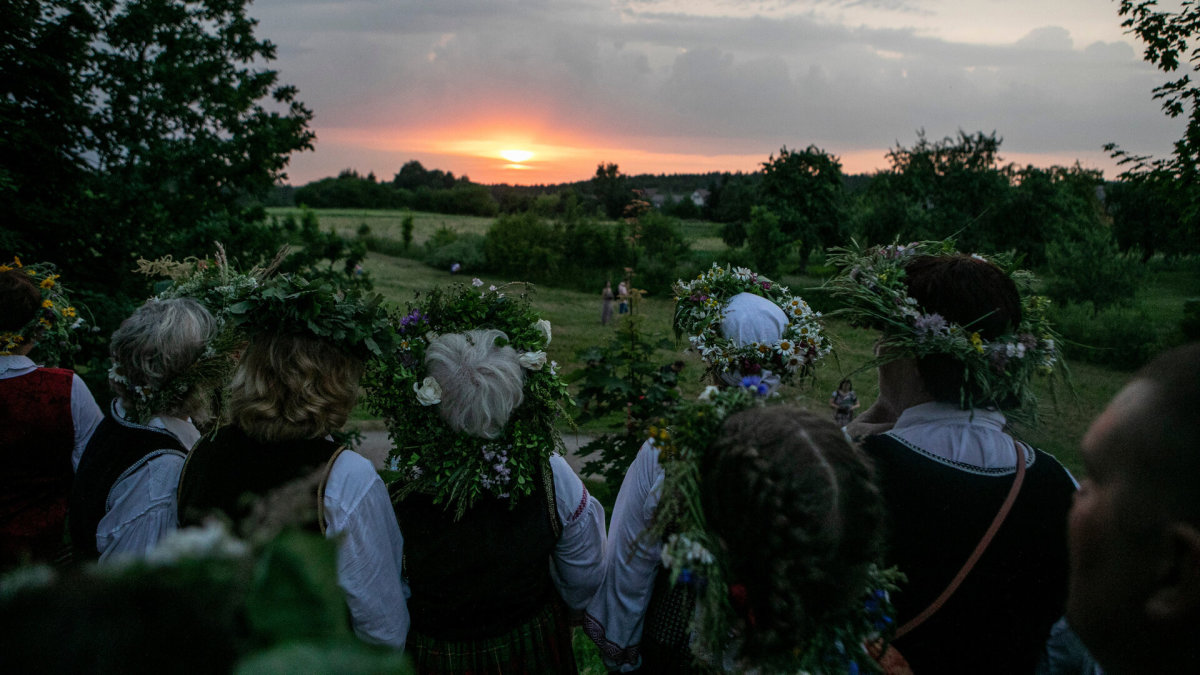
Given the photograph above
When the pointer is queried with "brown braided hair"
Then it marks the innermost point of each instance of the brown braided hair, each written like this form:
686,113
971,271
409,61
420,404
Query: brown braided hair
800,517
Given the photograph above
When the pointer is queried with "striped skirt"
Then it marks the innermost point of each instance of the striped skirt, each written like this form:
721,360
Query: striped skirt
540,645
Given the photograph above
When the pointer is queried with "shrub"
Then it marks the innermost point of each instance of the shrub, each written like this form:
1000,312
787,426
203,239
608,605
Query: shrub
1093,270
466,249
523,247
1190,323
1117,337
621,384
768,245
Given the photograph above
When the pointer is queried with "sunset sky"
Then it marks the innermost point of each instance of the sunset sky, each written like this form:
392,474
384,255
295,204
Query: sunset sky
684,86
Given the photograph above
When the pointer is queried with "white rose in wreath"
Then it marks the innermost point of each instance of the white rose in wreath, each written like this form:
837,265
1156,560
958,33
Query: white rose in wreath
533,360
708,393
428,392
543,327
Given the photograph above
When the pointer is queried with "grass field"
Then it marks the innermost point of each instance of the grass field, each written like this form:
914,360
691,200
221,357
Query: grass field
1065,411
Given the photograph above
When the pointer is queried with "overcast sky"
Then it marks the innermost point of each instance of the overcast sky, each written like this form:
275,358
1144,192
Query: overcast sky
681,86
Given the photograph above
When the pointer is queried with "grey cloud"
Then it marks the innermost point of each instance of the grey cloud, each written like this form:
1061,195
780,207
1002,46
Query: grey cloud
724,84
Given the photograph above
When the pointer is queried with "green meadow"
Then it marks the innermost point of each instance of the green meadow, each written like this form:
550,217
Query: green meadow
1066,407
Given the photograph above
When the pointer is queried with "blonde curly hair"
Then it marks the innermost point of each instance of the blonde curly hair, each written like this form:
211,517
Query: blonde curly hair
293,387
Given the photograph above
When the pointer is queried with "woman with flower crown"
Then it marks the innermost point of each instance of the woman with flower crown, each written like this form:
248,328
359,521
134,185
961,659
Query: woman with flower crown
501,538
47,415
754,335
295,384
978,518
167,367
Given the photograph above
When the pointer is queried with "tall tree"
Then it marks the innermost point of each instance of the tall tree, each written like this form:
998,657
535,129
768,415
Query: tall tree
803,188
1171,42
937,189
137,128
611,188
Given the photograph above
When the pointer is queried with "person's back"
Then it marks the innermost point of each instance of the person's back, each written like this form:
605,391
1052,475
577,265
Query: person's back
977,520
47,417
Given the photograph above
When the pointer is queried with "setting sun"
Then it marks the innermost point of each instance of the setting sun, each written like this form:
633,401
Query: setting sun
516,156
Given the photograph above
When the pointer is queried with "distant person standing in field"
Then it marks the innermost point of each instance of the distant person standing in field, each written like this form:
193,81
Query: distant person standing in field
844,402
623,297
606,300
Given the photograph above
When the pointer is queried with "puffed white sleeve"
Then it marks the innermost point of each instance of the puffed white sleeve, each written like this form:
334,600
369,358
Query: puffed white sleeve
359,515
578,562
614,617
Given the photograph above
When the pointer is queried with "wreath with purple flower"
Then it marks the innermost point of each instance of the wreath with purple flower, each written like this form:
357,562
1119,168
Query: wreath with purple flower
700,307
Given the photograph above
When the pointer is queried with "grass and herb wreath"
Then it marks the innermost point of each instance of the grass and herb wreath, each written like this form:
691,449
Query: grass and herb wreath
700,307
872,286
456,469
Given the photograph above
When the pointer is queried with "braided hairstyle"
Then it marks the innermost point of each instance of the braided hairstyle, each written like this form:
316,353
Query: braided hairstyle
800,517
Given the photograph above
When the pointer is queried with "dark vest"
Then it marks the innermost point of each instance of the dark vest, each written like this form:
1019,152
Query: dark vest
117,449
226,474
37,436
999,618
480,576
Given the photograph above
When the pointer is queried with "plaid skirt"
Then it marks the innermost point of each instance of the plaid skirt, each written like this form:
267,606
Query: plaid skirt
540,645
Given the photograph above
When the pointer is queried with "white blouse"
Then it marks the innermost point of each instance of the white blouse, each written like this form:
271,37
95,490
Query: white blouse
141,505
614,618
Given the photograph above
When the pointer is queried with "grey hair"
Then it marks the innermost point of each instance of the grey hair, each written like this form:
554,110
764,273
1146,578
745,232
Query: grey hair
482,383
159,342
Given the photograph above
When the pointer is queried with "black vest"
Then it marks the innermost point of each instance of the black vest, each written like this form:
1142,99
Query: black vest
228,473
480,576
117,449
999,618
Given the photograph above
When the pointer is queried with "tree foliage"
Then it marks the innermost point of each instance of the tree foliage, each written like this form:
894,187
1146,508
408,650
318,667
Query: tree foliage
137,128
1170,40
612,190
803,188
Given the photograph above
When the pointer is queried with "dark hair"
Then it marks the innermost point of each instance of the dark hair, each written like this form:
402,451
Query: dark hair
800,517
20,300
973,293
845,380
1171,439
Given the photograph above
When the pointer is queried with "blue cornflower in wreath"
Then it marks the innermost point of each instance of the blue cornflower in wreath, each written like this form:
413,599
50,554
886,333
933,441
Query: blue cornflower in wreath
469,397
744,324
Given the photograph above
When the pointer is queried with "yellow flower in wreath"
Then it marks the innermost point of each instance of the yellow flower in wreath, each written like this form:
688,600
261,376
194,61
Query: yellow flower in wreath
48,304
977,342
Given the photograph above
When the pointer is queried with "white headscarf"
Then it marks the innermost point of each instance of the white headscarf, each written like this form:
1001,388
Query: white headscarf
752,318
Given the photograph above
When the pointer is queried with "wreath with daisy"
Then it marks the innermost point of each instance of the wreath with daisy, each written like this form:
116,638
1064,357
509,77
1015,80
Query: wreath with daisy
427,456
700,306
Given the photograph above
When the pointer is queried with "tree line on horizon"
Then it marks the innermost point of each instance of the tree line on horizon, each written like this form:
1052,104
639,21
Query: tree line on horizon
144,128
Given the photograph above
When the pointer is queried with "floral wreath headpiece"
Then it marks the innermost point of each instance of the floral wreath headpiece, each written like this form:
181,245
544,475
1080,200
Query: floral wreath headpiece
872,286
347,318
427,456
700,306
217,286
55,322
694,556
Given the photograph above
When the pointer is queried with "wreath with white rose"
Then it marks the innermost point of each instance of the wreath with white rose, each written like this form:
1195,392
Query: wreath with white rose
428,457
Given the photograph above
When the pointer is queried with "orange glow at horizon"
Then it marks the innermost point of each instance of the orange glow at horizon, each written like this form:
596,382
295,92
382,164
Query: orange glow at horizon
494,154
